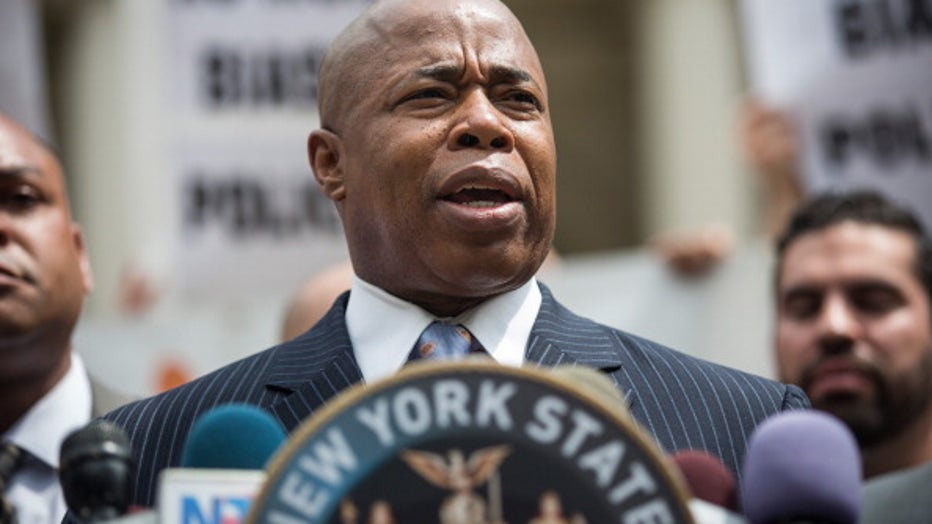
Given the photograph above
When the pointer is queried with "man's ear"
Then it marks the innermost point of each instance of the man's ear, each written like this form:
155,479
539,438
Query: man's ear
84,263
325,152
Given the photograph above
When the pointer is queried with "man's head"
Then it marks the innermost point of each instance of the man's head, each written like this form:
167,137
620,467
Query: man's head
44,270
437,148
853,287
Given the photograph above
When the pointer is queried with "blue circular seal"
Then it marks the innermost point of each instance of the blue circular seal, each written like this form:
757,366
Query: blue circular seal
472,442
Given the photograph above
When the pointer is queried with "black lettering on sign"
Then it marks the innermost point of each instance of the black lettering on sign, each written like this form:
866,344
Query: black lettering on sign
885,137
245,205
234,78
865,27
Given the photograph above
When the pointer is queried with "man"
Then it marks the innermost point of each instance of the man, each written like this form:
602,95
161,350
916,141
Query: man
853,287
437,148
44,276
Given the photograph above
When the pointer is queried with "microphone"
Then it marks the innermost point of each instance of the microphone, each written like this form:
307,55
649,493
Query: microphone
708,478
802,466
222,465
96,466
232,436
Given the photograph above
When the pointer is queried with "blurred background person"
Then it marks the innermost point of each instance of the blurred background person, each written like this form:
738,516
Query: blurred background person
44,277
854,323
314,298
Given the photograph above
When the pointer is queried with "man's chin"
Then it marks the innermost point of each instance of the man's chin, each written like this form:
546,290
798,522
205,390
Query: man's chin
863,418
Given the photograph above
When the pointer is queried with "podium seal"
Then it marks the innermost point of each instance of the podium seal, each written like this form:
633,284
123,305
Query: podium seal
472,442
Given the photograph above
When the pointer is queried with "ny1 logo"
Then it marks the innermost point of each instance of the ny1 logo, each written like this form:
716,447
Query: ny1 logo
214,510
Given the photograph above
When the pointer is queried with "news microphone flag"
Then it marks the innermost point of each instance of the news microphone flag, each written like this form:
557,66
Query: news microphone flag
221,466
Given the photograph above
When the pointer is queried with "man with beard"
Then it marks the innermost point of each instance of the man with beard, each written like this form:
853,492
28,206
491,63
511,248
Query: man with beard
854,330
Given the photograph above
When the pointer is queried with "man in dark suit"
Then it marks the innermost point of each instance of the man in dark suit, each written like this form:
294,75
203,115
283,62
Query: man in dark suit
45,392
437,149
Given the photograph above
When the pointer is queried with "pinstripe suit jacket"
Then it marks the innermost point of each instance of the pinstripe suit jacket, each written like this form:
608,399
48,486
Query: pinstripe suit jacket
686,403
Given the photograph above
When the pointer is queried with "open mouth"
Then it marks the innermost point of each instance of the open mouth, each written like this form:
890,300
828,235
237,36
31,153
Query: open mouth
479,197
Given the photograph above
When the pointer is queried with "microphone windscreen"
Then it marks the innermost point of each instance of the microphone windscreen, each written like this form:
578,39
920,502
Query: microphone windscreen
708,478
95,467
802,465
232,436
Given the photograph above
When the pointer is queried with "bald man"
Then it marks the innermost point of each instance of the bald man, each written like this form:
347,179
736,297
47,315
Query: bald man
436,148
44,276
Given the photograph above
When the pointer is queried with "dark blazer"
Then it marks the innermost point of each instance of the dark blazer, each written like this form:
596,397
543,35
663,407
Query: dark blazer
686,403
899,497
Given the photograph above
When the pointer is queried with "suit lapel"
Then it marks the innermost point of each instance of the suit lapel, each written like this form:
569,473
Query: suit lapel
560,337
318,365
314,367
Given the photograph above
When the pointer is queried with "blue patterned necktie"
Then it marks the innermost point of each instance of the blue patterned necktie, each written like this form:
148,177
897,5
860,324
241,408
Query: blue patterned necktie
444,341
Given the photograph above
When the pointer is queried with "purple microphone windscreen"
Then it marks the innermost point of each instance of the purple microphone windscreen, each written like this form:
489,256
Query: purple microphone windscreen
708,478
232,436
802,466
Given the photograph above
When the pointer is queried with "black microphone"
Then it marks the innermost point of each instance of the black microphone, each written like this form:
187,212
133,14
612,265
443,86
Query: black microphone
96,468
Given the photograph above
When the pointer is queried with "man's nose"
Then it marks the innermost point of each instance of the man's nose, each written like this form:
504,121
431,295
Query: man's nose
480,125
839,326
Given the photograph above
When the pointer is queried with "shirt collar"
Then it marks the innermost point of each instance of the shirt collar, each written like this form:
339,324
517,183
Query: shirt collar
383,328
66,407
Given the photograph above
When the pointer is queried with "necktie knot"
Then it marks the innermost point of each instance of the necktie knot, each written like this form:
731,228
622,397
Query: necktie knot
444,341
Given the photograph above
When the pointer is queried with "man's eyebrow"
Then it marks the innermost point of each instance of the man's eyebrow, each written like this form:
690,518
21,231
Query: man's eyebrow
800,289
19,171
497,74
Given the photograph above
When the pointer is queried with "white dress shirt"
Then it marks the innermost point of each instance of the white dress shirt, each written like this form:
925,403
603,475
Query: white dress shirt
384,328
34,489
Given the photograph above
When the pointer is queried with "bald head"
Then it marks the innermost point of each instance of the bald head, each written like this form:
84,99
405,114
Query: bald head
387,25
438,151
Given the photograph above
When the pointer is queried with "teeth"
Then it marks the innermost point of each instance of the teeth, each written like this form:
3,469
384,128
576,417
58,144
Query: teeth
481,203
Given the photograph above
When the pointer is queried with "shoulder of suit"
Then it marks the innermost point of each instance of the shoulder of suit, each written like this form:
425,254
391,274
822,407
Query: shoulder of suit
651,351
227,383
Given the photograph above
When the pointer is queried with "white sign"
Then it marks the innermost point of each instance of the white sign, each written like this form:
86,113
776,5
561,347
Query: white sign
241,93
869,125
251,55
857,77
251,217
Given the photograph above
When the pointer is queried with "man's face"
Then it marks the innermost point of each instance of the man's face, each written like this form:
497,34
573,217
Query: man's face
448,162
44,273
853,327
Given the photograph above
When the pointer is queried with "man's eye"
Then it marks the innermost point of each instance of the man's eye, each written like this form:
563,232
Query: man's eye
427,94
523,100
20,198
876,300
801,307
524,97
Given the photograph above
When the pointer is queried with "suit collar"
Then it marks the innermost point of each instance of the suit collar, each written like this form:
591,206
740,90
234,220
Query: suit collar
319,364
561,337
314,367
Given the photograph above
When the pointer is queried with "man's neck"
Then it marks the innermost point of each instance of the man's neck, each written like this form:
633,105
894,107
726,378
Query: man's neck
908,449
21,393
